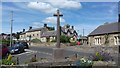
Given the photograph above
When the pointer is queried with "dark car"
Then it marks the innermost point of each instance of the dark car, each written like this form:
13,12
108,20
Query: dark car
16,48
5,51
24,44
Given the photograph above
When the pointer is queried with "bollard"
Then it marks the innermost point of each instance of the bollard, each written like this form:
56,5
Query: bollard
76,55
35,55
17,60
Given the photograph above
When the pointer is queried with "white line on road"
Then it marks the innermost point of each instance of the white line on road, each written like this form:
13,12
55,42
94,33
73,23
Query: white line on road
38,52
21,53
29,52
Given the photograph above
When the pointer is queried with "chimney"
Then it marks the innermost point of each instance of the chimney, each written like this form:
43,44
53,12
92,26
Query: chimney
23,30
72,27
119,18
30,28
45,25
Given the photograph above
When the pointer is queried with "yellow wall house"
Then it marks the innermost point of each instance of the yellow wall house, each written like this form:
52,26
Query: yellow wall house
34,33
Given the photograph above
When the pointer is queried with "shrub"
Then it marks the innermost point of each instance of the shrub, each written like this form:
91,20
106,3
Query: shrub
64,39
84,63
35,40
8,61
6,42
101,56
53,41
72,43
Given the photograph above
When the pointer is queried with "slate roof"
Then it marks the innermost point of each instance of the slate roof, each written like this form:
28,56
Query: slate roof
36,29
83,37
106,29
68,30
49,33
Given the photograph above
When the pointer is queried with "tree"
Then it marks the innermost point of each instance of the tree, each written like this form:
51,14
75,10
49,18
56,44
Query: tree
106,39
64,39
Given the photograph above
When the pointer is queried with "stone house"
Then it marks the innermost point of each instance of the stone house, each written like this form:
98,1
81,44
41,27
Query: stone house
46,35
106,34
34,33
83,40
68,31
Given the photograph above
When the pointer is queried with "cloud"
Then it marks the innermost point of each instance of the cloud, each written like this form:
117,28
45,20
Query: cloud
36,24
60,0
65,3
112,9
50,6
52,20
41,6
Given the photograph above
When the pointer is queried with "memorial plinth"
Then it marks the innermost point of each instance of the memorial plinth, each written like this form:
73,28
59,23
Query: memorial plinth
58,54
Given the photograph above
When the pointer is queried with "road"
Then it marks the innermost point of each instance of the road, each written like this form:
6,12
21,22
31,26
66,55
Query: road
46,52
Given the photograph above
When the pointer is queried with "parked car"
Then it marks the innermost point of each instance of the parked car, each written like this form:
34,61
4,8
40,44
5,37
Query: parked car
5,51
78,43
16,48
24,44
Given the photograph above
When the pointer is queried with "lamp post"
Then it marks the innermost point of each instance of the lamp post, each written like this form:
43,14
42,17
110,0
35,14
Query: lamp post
11,28
30,40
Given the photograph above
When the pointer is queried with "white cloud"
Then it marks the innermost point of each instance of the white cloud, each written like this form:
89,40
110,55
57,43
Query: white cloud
44,7
50,6
36,24
52,20
112,9
65,3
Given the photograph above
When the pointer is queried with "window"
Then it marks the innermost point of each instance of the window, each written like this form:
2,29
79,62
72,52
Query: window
98,41
117,40
37,34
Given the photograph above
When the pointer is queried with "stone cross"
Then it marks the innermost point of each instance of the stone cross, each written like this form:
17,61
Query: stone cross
58,15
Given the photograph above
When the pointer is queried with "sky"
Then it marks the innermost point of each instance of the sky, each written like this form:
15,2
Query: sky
81,15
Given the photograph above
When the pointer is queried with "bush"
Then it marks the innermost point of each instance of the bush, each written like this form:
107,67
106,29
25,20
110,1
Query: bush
64,39
102,56
8,61
6,42
72,43
53,41
85,63
35,40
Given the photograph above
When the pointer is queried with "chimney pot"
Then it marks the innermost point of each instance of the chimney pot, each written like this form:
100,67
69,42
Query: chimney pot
45,25
23,30
30,28
72,27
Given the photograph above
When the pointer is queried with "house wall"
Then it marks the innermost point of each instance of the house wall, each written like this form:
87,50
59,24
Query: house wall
52,38
43,39
35,34
111,40
22,37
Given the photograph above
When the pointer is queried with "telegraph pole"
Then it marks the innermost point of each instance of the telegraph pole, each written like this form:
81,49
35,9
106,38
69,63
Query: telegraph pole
83,31
11,24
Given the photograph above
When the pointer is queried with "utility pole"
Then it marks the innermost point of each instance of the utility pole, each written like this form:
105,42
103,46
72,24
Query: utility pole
11,24
58,15
83,31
